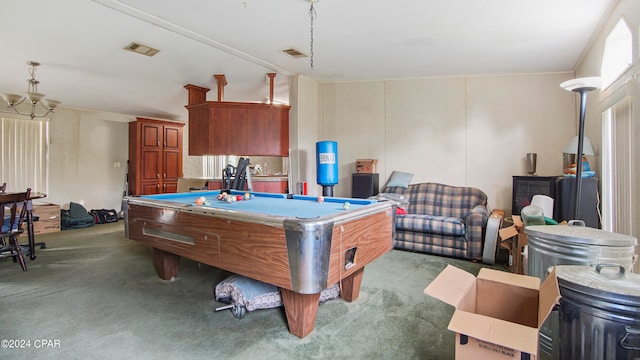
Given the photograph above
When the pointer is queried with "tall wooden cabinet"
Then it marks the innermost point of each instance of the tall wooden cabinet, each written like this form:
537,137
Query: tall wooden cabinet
155,156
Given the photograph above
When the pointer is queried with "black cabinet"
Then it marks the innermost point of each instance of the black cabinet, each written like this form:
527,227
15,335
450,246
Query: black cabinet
565,204
364,185
525,187
562,190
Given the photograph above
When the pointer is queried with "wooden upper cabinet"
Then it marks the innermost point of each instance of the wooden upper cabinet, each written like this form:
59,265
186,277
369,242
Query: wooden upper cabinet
155,156
172,138
228,128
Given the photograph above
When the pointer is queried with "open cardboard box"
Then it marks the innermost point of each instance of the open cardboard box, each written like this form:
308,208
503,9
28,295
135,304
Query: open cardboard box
498,314
514,239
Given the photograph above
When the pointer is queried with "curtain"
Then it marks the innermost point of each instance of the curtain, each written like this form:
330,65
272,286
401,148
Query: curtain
212,165
25,153
618,167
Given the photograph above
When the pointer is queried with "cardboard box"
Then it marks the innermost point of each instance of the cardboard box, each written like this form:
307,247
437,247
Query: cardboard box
46,226
366,166
46,212
515,243
514,239
498,314
48,216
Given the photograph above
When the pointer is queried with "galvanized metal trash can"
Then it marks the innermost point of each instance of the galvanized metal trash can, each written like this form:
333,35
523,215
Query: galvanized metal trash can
573,244
599,312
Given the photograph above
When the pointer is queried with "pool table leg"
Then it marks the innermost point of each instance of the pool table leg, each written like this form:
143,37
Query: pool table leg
166,264
301,310
350,289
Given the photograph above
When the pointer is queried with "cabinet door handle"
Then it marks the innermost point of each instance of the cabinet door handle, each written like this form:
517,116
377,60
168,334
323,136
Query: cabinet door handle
158,186
157,176
165,175
164,144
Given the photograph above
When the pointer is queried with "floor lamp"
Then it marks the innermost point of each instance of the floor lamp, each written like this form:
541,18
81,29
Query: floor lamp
581,86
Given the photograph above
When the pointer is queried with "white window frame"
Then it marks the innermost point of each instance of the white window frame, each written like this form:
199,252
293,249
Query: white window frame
617,58
620,110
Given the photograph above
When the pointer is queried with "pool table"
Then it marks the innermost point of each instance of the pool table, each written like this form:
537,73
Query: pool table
294,242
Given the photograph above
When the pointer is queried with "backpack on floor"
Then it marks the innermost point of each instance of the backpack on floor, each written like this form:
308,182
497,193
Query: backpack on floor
103,216
76,217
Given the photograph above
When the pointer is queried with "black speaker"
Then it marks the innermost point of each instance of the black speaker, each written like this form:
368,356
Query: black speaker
565,201
364,185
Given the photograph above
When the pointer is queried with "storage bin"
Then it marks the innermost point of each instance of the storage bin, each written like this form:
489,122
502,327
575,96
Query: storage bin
599,311
573,244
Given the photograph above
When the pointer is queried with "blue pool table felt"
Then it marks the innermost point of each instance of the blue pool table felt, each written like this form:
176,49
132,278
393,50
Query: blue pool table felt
300,206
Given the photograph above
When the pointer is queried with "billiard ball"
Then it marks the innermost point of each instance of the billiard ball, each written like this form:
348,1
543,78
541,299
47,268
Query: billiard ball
221,196
199,201
239,198
229,198
346,205
320,199
247,196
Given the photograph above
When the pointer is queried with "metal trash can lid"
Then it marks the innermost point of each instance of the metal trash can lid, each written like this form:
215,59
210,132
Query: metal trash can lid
580,235
608,281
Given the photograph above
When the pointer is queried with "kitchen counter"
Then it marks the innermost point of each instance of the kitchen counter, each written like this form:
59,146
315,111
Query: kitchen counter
260,183
269,178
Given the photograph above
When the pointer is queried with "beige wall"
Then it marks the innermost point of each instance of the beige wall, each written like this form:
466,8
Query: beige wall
88,158
86,148
191,165
464,130
304,131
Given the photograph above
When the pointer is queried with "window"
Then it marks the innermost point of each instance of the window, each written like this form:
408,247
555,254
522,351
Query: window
619,106
25,154
617,56
618,167
212,165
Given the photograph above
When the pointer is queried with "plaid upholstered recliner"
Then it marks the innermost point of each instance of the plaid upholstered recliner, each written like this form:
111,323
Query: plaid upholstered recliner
442,220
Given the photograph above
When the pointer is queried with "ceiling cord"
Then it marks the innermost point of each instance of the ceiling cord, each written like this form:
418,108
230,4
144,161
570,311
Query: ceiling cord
312,17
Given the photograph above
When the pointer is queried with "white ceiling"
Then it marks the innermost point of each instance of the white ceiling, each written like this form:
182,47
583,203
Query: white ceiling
80,42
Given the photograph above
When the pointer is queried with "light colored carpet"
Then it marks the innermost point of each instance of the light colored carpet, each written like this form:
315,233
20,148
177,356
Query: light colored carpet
93,294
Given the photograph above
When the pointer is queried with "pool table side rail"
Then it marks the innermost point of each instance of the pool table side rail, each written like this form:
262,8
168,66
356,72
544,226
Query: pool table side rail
250,249
273,220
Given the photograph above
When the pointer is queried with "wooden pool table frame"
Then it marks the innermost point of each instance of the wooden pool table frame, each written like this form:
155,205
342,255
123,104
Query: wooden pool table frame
256,247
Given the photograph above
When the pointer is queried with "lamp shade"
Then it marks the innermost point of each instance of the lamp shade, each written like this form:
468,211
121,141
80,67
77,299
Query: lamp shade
586,83
587,148
10,98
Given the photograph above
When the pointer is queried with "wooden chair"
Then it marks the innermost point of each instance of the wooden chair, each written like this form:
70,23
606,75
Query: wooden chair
12,225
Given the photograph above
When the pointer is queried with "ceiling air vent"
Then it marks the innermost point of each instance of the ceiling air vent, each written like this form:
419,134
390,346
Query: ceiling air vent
294,53
141,49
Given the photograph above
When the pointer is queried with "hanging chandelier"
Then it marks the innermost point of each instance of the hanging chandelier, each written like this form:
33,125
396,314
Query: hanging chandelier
32,96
